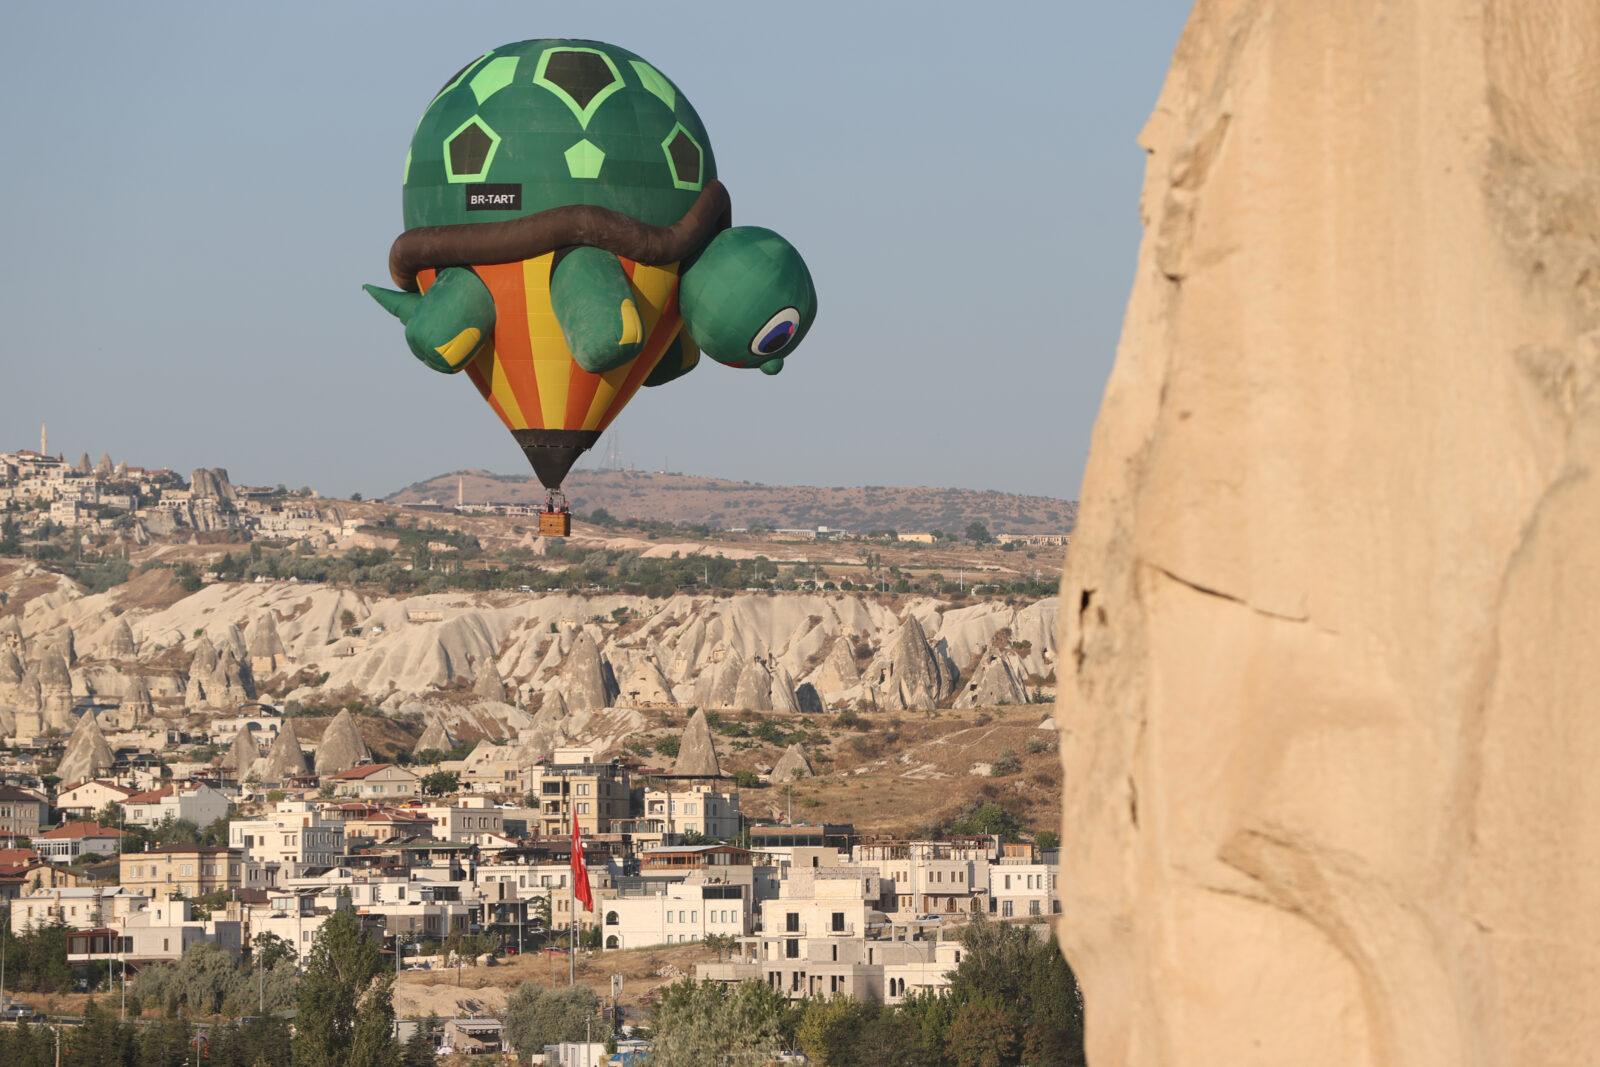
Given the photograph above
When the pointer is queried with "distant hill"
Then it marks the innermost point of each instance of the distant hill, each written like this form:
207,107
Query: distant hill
727,505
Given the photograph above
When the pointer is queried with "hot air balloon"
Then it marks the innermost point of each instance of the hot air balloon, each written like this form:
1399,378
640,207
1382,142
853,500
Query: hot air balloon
567,241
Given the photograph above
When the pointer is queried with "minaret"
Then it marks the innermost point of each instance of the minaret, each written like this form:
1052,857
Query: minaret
460,492
44,440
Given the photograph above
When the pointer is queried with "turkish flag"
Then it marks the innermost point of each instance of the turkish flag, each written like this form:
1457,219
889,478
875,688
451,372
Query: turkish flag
580,870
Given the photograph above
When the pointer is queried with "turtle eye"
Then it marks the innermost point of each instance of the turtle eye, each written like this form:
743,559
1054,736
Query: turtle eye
775,335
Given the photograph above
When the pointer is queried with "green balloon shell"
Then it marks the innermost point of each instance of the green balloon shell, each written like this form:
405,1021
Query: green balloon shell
549,123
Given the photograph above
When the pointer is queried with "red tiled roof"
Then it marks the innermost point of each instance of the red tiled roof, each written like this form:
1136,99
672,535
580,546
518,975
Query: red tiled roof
81,829
361,771
150,796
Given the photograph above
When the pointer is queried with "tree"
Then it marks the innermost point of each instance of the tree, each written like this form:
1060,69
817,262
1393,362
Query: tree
713,1023
978,533
535,1017
346,1000
441,783
988,818
984,1034
1045,840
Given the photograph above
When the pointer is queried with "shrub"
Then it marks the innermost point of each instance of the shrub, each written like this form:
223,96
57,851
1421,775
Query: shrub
1004,764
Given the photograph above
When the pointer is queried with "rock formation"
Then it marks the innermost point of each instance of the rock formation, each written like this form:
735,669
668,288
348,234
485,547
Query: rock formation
1327,683
211,484
721,683
783,691
584,677
83,466
791,765
264,647
104,468
488,685
998,679
341,746
11,636
908,674
697,753
753,691
837,674
135,706
436,736
807,699
55,692
646,685
87,754
10,673
116,641
242,755
285,759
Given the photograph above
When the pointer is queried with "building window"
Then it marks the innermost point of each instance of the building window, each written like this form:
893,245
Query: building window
1005,909
1033,907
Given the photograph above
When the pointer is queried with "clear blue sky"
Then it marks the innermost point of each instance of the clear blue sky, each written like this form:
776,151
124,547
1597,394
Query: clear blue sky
193,194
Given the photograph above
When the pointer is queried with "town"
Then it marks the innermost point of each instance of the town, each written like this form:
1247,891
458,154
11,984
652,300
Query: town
243,722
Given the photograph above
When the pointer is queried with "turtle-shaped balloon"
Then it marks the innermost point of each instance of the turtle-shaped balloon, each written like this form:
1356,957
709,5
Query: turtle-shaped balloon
567,241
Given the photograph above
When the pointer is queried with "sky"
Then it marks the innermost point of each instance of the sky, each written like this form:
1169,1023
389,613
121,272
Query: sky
193,195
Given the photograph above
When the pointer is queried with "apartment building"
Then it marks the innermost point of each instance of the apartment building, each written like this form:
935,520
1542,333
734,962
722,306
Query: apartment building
79,907
699,809
184,870
931,877
22,812
596,793
676,913
471,820
294,838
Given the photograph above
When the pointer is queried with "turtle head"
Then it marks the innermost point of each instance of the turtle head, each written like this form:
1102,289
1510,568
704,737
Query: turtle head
747,300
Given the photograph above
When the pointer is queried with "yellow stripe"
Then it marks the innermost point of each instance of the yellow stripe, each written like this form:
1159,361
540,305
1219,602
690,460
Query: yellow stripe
552,361
652,286
631,333
500,389
456,350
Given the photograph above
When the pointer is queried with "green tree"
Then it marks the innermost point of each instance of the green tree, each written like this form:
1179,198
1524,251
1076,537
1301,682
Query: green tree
346,1000
535,1017
978,533
983,1034
441,783
714,1023
1045,840
830,1031
988,818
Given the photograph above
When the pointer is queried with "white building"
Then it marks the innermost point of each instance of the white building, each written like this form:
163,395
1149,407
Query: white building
80,907
297,836
676,913
195,801
699,809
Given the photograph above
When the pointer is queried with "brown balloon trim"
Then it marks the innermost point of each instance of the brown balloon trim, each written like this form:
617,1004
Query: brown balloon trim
512,240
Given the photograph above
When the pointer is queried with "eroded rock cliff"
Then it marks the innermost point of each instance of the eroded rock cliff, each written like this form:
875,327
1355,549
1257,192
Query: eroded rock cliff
1328,619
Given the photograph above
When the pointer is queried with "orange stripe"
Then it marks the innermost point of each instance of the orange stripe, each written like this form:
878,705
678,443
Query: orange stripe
513,353
666,329
479,370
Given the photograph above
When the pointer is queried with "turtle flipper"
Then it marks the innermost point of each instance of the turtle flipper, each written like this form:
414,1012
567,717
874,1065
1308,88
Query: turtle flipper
679,359
447,325
593,302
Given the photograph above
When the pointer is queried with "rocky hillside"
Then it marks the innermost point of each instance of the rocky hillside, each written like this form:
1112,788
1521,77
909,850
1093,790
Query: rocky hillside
732,505
540,670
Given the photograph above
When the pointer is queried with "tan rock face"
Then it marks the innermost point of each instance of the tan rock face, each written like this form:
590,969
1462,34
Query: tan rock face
1327,660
